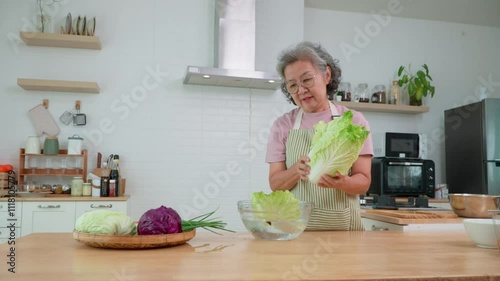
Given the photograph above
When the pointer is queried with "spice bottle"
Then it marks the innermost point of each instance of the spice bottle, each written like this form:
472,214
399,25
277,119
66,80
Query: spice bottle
395,93
104,181
112,188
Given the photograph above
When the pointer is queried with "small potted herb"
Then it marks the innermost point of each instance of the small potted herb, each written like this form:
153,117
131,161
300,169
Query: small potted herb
417,84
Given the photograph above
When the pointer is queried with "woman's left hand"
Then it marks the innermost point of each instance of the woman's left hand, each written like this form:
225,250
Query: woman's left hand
332,182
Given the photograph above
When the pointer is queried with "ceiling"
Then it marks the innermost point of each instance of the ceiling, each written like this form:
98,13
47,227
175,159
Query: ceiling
477,12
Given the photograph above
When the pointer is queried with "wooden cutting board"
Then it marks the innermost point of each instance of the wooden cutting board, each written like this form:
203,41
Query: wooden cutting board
412,217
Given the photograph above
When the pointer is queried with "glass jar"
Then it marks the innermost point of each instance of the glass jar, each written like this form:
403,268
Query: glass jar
77,186
345,91
87,189
361,93
379,95
395,93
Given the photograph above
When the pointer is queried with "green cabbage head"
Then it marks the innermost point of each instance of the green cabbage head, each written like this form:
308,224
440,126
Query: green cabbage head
335,146
106,222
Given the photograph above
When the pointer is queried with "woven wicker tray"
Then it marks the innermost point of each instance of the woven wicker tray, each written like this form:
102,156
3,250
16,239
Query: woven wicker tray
133,241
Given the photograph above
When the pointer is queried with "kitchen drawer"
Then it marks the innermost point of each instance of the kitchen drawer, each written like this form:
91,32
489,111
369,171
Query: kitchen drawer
83,207
4,212
5,234
50,216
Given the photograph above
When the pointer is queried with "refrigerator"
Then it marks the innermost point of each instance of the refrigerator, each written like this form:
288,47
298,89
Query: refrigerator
472,147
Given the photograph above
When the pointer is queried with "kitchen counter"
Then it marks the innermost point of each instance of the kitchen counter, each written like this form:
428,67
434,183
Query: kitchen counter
369,255
63,198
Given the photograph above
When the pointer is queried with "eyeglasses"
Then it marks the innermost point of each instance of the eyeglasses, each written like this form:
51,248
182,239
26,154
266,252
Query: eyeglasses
293,86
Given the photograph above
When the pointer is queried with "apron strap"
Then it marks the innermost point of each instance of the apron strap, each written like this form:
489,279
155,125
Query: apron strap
298,120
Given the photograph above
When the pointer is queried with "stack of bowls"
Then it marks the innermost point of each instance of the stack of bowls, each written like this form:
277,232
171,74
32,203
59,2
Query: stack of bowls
483,217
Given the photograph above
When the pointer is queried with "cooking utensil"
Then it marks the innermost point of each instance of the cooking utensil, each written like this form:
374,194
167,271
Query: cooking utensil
66,117
472,205
79,119
99,159
43,121
109,161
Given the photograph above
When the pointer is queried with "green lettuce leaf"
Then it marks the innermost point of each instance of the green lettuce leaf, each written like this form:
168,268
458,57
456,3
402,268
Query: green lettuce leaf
335,146
278,205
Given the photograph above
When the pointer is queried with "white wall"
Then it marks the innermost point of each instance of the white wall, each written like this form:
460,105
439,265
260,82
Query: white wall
177,140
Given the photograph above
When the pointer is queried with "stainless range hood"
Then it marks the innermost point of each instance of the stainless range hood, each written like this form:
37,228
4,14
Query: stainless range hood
234,51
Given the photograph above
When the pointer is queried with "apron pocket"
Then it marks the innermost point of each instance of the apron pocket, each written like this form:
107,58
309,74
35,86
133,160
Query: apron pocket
326,219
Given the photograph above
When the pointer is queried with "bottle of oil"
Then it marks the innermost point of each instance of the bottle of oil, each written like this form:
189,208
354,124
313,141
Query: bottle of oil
114,174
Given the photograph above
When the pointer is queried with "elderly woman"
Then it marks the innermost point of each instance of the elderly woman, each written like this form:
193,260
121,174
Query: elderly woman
310,74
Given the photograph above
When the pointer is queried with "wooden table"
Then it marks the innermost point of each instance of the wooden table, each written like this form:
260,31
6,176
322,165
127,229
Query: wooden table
370,255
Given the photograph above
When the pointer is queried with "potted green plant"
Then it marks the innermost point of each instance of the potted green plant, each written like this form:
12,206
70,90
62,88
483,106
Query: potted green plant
417,84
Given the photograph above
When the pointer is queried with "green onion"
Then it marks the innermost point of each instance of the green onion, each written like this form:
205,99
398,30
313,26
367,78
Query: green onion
204,222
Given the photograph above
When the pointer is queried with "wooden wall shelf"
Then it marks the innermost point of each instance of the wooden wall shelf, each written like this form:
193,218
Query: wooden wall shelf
61,40
58,85
379,107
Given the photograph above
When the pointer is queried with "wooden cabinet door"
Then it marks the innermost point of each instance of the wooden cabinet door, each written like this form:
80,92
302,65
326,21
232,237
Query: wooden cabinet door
49,216
6,209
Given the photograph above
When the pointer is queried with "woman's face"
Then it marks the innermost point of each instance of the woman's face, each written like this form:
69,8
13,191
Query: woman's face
313,98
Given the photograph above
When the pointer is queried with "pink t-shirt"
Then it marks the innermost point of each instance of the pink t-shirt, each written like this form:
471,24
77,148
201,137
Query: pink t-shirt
283,125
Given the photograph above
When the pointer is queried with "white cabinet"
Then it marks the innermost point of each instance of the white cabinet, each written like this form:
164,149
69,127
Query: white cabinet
83,207
10,226
47,216
51,215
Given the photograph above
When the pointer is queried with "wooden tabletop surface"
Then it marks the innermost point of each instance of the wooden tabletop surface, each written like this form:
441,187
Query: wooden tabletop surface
370,255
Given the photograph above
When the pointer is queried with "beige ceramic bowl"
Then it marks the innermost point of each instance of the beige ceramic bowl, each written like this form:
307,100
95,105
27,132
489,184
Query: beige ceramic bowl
473,205
482,232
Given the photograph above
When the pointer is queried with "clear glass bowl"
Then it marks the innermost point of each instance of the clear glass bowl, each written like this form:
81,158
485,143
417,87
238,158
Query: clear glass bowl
277,229
496,224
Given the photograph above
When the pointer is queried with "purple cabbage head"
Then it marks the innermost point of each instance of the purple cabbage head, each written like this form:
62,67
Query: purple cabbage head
162,220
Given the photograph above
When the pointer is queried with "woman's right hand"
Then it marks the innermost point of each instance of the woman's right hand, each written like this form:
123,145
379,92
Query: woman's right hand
302,168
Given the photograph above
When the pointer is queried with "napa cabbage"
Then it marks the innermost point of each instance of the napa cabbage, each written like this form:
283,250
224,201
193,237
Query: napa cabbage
275,206
335,146
105,222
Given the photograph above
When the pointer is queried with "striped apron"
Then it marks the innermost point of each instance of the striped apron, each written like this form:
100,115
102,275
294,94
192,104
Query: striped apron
333,209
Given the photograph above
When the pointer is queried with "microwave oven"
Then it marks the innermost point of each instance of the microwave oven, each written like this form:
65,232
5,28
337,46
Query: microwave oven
406,145
402,177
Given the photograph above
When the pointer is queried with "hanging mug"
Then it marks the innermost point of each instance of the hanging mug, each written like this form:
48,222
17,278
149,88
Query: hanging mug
51,146
32,145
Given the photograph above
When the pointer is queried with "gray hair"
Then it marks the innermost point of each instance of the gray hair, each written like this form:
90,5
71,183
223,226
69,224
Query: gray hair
317,55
